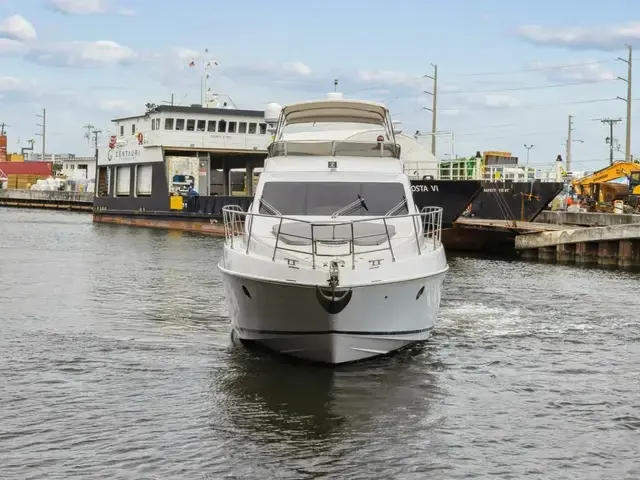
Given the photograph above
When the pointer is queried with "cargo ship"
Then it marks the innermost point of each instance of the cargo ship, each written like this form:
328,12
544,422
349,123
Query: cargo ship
509,192
175,167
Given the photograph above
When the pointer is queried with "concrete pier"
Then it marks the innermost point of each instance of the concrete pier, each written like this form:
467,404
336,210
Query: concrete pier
611,246
80,201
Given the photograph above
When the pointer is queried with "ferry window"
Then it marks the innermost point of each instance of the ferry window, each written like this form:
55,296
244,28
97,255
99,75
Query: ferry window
222,126
153,124
211,126
133,129
324,198
121,129
157,124
103,181
191,125
252,128
168,123
201,125
180,124
123,181
232,127
263,129
242,127
143,180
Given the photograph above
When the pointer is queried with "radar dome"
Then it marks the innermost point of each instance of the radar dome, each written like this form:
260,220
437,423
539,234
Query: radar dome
272,113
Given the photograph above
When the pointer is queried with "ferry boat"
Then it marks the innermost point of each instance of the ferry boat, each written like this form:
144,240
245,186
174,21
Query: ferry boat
333,261
178,166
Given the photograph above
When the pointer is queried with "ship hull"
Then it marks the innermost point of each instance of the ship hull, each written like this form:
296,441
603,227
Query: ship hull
454,196
509,200
204,213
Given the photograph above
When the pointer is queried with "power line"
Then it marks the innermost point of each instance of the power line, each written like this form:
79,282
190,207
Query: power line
535,69
533,87
505,107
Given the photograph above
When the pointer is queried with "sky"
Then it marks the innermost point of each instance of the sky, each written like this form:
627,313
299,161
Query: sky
509,75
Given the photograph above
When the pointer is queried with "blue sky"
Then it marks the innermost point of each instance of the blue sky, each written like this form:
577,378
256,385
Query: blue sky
509,74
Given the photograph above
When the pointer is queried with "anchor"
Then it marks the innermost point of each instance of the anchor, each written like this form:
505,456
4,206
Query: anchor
332,300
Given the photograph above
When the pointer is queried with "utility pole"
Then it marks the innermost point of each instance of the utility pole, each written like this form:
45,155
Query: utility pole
526,175
627,146
95,134
610,139
87,135
43,126
433,109
568,156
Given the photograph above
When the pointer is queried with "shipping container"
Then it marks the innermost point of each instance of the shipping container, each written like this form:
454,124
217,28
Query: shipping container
43,169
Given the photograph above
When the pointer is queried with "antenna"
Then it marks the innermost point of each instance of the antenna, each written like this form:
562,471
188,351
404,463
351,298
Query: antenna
335,85
2,128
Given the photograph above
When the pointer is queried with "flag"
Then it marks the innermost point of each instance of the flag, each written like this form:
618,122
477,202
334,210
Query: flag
192,63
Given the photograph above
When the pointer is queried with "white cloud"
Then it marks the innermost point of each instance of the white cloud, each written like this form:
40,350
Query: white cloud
11,84
493,101
17,28
296,69
87,7
114,105
79,7
79,54
579,72
127,12
387,78
607,38
11,47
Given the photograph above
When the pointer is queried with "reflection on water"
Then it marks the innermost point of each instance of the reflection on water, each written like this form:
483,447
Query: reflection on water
291,399
116,361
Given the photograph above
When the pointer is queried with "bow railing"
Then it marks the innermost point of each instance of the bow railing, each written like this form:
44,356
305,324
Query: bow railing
399,235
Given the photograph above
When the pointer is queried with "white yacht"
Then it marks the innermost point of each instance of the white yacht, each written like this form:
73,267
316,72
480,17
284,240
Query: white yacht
333,262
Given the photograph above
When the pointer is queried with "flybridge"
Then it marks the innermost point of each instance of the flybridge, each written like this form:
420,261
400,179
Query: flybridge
298,132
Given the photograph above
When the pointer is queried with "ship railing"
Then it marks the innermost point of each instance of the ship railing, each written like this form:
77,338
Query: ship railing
318,239
336,148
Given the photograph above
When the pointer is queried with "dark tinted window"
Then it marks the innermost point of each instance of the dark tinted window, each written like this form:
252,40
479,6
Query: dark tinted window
324,198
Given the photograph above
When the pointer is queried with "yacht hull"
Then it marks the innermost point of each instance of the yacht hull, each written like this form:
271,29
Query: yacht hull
299,320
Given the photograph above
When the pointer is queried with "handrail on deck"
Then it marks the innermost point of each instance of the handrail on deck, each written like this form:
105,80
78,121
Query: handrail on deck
284,148
318,238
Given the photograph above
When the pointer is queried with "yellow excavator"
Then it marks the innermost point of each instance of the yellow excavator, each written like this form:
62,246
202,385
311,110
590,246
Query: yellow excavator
600,194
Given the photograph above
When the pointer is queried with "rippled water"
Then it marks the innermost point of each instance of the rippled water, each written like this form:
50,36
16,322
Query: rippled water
116,362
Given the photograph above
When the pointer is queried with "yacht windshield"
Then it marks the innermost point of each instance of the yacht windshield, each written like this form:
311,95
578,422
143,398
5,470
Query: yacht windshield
327,198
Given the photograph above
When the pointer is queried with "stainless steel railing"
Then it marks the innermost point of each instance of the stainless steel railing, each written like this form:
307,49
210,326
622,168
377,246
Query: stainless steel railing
340,238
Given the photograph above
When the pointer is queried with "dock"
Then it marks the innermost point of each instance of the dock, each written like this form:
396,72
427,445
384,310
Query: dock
613,245
608,240
59,200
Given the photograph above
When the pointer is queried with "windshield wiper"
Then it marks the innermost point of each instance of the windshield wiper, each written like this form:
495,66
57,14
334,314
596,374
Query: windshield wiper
269,207
395,209
351,207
